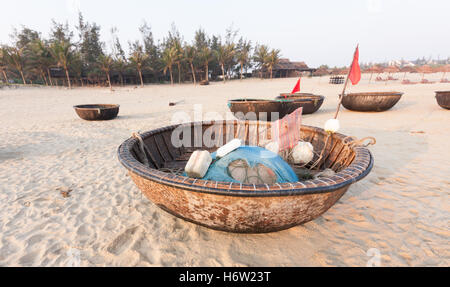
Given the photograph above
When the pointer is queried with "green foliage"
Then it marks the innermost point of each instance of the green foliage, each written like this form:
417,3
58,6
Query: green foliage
137,55
62,52
35,58
243,54
90,47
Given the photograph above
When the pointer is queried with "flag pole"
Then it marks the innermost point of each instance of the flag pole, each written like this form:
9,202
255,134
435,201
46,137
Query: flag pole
345,85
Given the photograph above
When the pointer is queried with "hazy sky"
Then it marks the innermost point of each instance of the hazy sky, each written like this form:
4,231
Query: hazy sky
317,32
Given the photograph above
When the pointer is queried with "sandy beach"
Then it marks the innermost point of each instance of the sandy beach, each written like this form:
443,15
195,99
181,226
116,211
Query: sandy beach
401,209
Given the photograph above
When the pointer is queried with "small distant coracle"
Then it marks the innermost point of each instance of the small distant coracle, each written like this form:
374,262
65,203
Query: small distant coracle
443,99
97,112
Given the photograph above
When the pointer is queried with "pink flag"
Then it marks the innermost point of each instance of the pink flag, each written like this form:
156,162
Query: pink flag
287,130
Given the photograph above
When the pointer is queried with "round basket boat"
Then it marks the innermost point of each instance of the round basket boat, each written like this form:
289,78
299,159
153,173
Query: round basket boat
443,99
261,110
309,102
371,102
97,112
235,207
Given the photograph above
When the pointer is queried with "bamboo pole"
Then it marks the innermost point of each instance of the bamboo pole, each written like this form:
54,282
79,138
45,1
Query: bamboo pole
345,85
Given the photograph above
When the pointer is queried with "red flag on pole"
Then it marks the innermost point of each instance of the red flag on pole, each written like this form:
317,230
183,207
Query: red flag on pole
355,70
297,87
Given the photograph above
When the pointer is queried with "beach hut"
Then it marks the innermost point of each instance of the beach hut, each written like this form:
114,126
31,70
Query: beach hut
339,71
285,68
321,72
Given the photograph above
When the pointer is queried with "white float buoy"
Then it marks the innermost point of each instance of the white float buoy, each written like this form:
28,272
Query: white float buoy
273,147
229,147
198,164
302,153
332,126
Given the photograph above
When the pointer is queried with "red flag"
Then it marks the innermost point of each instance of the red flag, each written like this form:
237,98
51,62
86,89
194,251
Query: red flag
297,87
355,70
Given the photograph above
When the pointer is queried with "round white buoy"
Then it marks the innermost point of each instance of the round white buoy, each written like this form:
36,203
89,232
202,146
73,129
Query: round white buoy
302,153
332,126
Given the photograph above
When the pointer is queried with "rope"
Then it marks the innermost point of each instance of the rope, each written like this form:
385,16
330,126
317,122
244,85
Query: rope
354,142
142,148
351,142
321,154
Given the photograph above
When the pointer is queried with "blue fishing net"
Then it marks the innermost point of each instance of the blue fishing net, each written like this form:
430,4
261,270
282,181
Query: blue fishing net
250,164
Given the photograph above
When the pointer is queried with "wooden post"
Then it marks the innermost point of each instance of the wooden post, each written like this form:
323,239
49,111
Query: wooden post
345,86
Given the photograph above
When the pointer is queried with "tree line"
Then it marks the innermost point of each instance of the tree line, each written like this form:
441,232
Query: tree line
61,59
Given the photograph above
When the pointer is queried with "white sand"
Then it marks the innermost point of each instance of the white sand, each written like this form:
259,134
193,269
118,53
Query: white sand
402,208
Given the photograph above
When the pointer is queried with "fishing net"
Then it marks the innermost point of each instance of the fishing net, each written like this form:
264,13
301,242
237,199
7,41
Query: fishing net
251,165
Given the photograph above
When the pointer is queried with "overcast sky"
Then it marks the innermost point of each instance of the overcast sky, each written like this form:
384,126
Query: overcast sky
317,32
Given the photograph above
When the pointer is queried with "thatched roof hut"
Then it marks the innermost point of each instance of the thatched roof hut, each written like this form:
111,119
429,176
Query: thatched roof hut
286,68
339,71
321,72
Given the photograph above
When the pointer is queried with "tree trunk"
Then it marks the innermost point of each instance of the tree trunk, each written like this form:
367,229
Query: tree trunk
140,76
109,80
121,79
44,78
6,76
242,69
68,79
271,73
49,77
193,73
223,73
23,77
171,77
179,73
207,72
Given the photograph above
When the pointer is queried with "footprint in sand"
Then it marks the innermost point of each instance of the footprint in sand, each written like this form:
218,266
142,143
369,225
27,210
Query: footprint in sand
124,240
